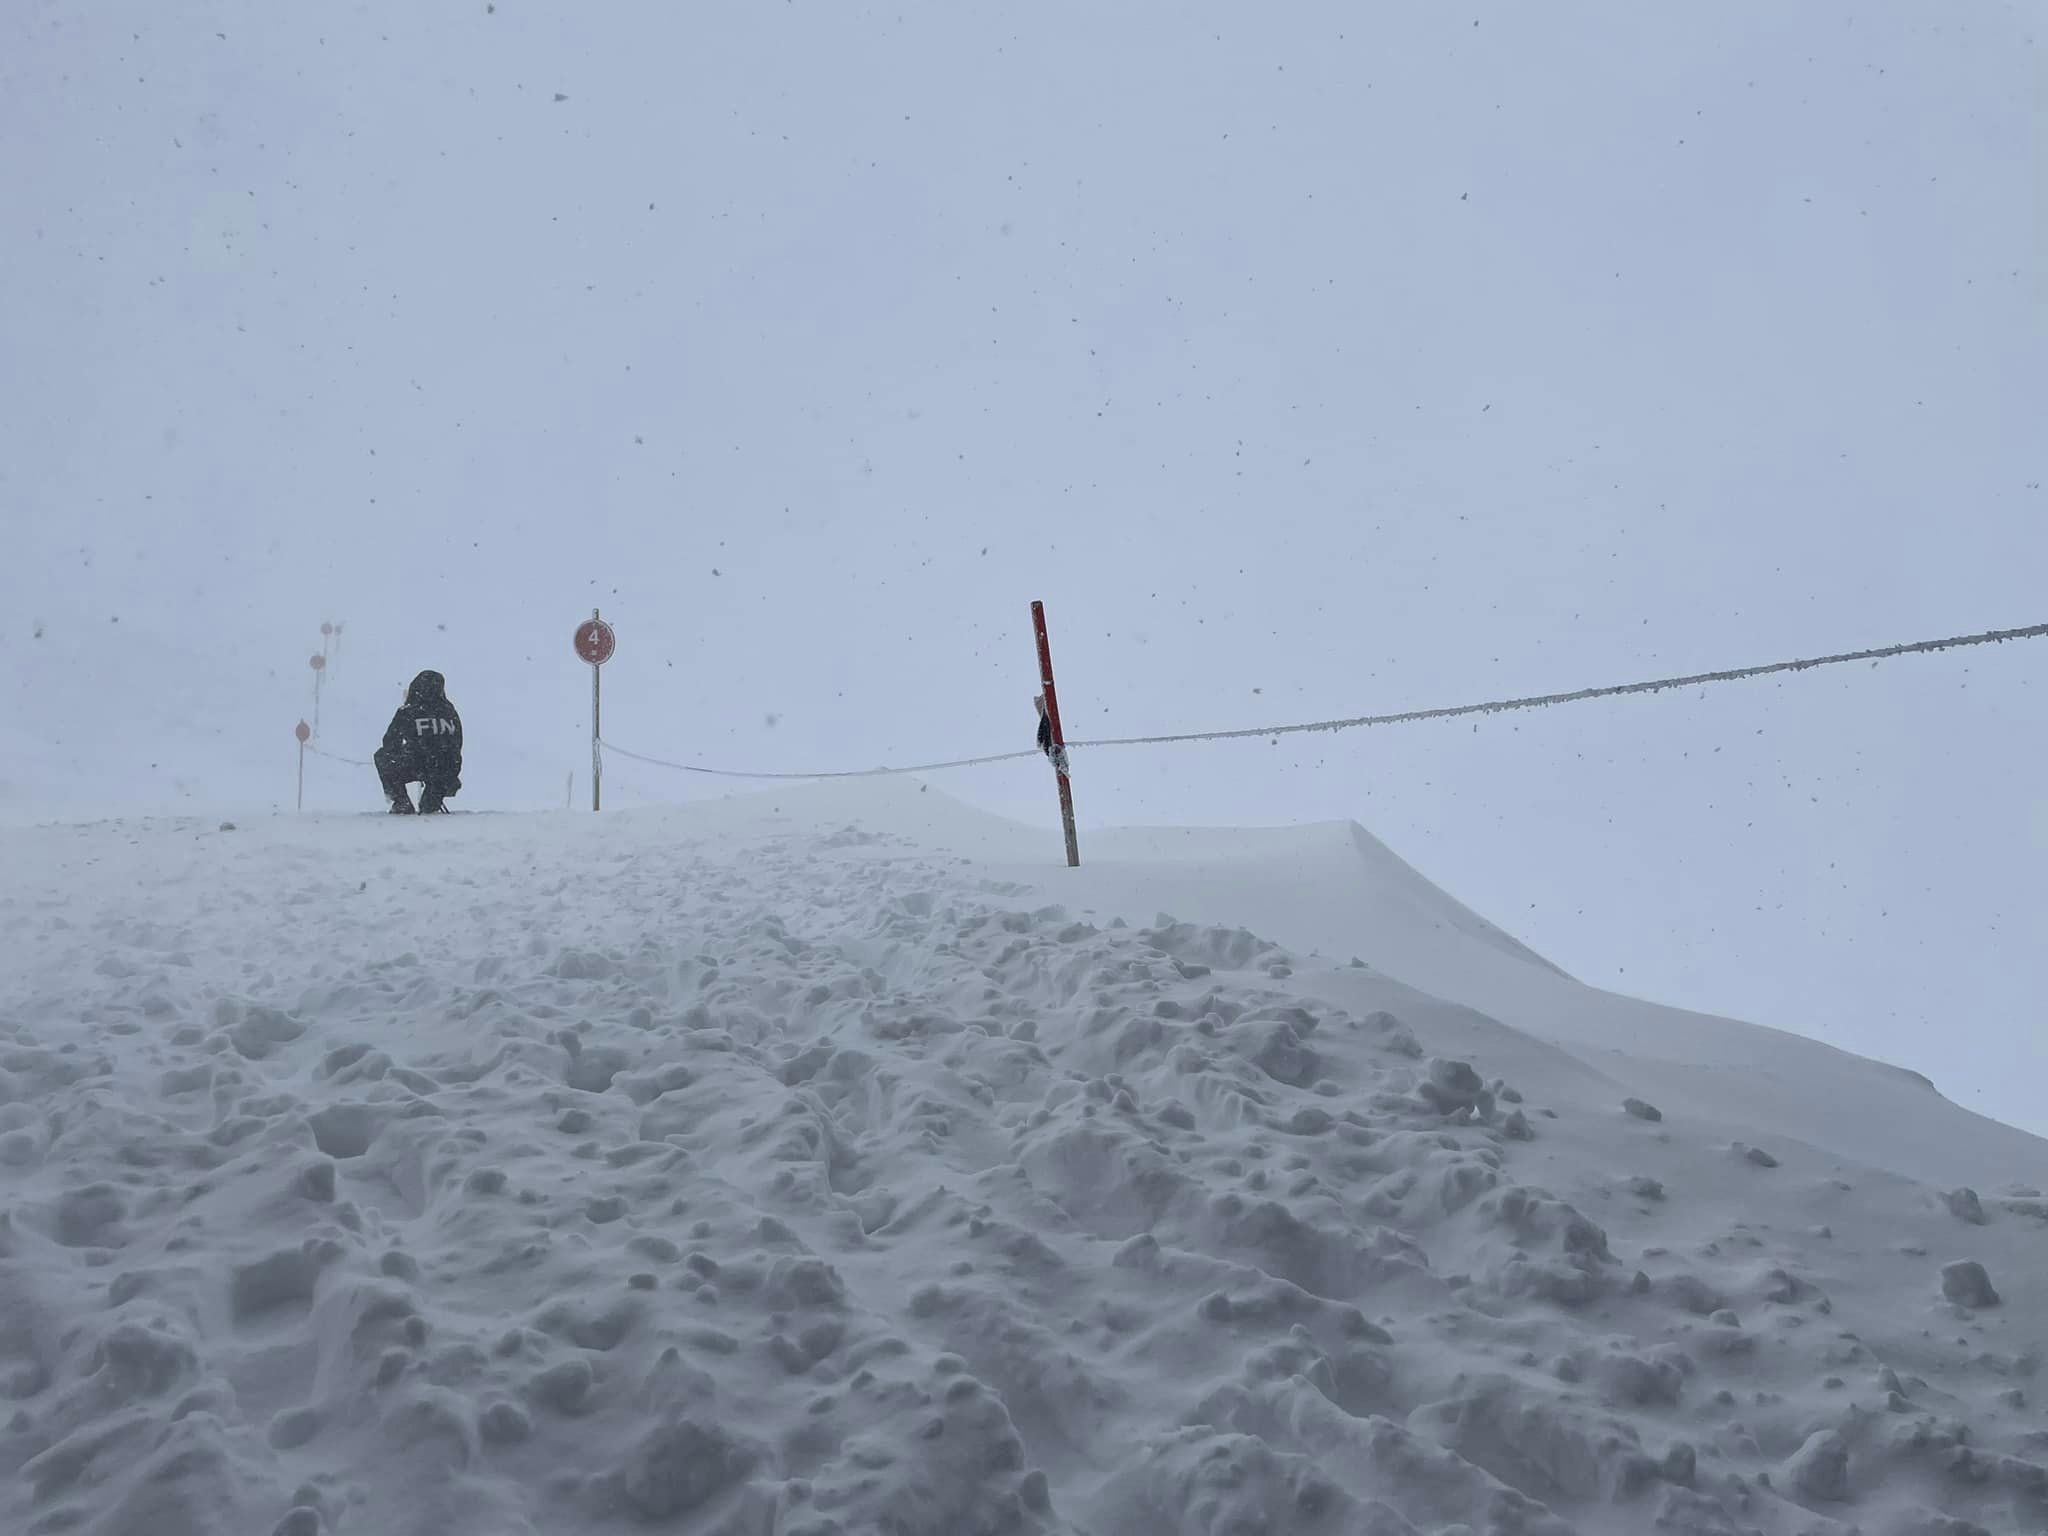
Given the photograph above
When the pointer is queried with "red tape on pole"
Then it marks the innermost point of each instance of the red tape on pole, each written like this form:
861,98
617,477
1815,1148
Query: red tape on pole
1059,739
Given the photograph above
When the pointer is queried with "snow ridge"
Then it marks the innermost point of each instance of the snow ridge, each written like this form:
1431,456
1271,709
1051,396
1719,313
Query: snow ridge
798,1174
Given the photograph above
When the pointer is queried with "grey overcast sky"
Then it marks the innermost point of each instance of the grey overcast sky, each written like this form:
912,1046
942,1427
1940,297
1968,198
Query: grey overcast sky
1306,359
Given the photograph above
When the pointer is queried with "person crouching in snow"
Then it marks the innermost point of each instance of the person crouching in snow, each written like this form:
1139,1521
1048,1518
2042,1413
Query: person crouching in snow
422,745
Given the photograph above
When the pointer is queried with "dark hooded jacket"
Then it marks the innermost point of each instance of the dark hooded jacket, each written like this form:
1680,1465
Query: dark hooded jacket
425,736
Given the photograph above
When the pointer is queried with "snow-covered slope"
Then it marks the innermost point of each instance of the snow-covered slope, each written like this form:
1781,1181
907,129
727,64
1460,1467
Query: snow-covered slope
829,1161
1309,361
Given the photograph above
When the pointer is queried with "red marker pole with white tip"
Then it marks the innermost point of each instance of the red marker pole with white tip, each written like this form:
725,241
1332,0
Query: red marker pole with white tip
1059,740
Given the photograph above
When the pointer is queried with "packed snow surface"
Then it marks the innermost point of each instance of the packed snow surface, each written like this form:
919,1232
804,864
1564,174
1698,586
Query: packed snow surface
835,1161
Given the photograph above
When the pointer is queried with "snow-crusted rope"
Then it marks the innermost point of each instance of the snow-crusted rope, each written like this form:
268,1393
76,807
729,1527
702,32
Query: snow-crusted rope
1402,717
847,773
320,751
1730,675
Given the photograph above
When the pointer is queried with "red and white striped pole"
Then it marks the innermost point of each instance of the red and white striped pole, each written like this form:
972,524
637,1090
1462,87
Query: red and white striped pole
1059,740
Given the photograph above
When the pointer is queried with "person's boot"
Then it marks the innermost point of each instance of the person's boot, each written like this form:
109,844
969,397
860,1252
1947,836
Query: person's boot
401,804
432,804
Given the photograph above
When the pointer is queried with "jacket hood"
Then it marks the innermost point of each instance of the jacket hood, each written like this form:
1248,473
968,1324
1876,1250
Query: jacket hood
427,688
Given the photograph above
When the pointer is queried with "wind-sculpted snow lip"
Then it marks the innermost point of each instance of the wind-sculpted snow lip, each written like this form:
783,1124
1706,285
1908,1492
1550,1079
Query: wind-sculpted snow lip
816,1175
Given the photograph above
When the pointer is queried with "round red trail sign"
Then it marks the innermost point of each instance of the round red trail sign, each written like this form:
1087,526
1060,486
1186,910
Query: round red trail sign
595,641
303,731
318,663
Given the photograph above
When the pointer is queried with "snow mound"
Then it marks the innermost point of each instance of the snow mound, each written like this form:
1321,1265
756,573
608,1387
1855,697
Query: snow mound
816,1163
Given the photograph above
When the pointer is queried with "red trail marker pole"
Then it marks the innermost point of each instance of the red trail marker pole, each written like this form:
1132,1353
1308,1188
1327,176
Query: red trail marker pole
302,731
1059,740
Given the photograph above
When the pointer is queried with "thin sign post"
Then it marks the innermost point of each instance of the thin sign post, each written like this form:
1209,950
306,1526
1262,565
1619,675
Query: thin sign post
304,732
319,666
1059,740
595,643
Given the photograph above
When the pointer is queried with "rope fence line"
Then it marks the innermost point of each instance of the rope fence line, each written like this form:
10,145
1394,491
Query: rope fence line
844,773
1402,717
1537,701
320,751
